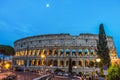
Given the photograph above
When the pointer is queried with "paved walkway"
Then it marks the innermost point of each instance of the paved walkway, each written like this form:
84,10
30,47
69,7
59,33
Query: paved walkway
26,75
65,78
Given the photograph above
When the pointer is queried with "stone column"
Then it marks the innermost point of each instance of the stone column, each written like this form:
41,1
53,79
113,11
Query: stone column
84,63
58,52
64,53
64,63
27,63
70,53
52,52
58,63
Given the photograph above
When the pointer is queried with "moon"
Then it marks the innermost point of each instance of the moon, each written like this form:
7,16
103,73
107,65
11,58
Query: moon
47,5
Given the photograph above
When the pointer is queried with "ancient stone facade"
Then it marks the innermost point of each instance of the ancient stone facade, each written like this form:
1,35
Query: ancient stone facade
57,49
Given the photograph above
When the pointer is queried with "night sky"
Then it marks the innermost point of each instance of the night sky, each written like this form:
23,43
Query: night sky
22,18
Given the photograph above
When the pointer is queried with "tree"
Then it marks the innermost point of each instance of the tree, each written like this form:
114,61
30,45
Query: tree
6,51
103,51
70,65
114,72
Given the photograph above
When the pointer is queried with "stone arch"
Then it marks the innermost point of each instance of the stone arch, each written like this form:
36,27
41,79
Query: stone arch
33,62
44,52
67,51
92,63
55,52
67,63
39,52
86,63
39,62
43,62
80,52
20,53
30,52
61,52
74,63
80,63
16,54
74,52
55,63
91,52
50,62
86,51
61,63
25,52
33,53
50,52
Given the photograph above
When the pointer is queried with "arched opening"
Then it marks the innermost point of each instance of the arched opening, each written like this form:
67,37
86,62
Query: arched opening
80,52
39,53
92,63
67,52
43,62
55,52
39,62
33,53
36,52
86,63
91,52
44,52
80,63
50,53
86,51
61,63
73,63
33,62
55,62
61,52
74,52
67,63
50,62
30,52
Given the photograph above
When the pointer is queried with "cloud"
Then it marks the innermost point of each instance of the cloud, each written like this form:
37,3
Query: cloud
16,28
24,29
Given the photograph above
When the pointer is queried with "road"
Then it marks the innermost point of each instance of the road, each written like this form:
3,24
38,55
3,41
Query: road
4,74
20,75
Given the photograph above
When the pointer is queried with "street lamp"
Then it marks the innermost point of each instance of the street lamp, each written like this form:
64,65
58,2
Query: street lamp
98,60
43,57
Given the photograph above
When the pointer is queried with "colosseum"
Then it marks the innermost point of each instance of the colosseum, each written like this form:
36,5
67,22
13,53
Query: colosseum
52,51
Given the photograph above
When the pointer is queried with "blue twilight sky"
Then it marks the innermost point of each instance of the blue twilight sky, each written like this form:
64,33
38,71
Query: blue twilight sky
22,18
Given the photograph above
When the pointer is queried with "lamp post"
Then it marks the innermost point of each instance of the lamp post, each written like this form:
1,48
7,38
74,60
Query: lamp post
98,60
43,57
